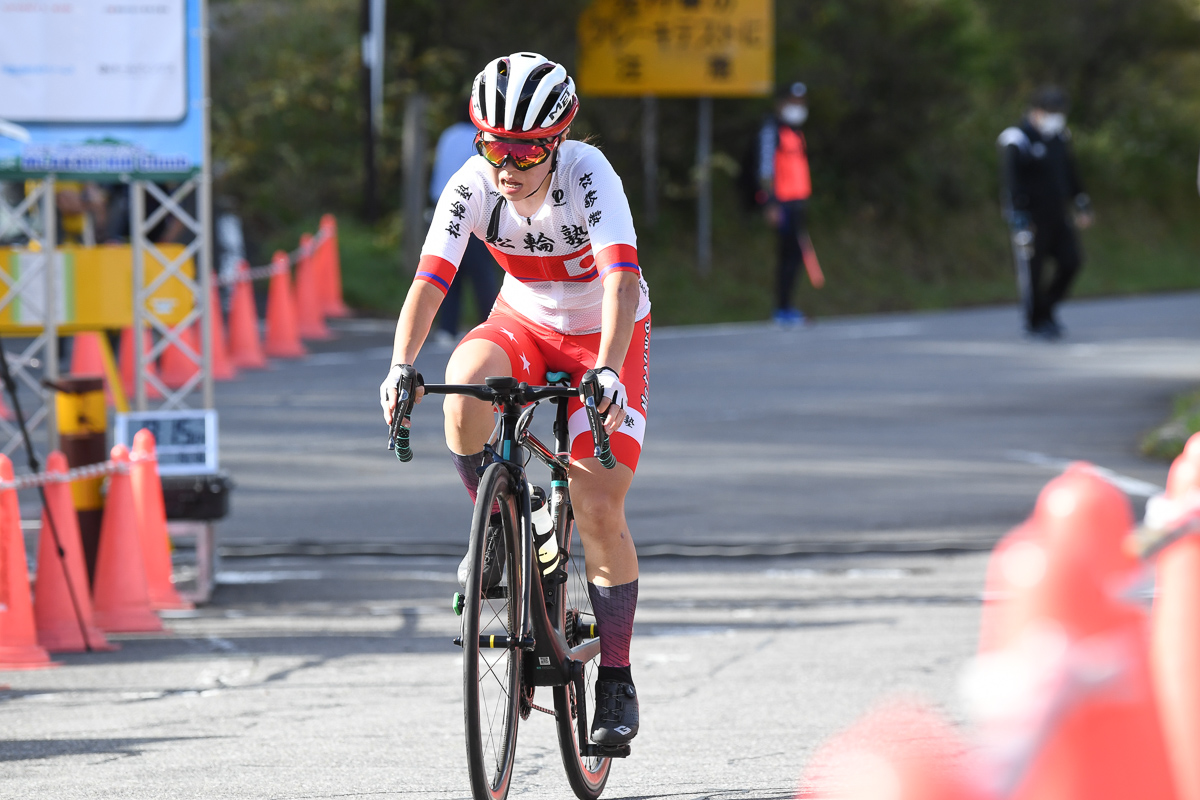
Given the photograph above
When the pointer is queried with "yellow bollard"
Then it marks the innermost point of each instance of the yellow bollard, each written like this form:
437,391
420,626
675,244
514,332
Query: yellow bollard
83,433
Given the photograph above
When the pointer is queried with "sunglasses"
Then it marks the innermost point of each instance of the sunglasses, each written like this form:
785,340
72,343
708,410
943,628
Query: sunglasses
523,155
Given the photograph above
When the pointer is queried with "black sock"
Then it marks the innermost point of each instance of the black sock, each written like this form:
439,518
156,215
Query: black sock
614,674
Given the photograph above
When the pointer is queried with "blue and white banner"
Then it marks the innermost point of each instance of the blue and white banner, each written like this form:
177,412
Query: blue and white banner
106,89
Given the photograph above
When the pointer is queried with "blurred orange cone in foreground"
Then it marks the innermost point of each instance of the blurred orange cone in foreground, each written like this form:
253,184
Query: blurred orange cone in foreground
332,302
62,605
245,344
900,752
1068,701
152,522
310,317
122,599
177,367
222,364
86,359
19,648
126,359
1175,639
283,337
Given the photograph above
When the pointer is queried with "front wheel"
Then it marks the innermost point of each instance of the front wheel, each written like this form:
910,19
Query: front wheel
587,775
491,659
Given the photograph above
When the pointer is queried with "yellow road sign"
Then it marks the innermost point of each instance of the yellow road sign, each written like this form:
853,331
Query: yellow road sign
679,48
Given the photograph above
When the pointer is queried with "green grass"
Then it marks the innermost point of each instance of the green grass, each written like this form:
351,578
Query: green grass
1167,440
871,265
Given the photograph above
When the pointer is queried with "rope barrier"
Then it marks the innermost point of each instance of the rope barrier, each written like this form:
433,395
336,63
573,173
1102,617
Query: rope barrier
76,474
267,271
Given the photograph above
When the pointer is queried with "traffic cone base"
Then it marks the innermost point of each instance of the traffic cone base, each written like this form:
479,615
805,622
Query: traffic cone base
222,366
121,596
62,605
152,523
19,648
331,270
310,317
176,367
245,342
283,337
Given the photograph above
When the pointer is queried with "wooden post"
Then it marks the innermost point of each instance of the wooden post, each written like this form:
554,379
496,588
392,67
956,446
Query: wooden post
416,183
704,187
650,158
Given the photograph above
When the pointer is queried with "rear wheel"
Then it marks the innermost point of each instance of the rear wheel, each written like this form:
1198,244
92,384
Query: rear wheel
491,659
587,775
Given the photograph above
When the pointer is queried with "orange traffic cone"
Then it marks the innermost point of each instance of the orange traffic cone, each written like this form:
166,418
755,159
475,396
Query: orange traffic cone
900,752
310,318
62,606
331,270
122,598
19,648
152,392
1097,733
222,364
1175,637
283,337
1016,563
176,367
245,344
86,359
152,522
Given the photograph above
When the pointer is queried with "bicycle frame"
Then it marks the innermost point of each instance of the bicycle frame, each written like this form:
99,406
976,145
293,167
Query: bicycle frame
540,636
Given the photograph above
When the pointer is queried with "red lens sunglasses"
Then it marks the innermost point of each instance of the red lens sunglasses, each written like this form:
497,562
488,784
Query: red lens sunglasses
523,155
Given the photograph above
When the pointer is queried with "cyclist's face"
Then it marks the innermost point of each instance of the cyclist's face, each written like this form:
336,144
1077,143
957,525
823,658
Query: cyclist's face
518,184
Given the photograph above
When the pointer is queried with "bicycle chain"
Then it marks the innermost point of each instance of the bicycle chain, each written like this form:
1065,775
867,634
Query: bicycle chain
549,711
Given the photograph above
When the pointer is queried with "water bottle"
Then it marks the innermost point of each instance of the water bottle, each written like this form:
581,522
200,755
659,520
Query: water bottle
543,531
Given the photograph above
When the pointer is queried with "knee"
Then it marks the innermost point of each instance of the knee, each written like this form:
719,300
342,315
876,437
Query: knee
600,513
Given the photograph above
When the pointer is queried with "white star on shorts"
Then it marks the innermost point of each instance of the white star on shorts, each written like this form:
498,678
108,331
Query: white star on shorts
524,362
508,333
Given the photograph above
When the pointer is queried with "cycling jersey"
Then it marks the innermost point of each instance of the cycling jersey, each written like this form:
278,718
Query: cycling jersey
556,260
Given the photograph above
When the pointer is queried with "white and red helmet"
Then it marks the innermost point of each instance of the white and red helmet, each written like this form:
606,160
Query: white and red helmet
523,96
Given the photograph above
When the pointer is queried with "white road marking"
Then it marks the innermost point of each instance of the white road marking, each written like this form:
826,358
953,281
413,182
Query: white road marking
1131,486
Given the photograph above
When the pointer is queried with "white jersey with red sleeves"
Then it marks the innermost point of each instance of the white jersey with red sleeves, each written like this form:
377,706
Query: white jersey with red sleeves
555,260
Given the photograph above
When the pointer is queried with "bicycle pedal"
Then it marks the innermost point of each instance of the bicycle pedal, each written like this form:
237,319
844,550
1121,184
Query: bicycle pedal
592,750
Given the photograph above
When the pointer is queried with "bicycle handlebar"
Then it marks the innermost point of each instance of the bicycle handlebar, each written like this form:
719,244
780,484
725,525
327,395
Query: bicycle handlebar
498,390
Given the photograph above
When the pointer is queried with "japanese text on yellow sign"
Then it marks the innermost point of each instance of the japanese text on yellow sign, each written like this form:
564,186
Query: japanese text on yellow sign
681,48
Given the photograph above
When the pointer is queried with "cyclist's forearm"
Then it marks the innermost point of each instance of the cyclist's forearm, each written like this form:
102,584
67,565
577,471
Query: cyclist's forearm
416,318
621,296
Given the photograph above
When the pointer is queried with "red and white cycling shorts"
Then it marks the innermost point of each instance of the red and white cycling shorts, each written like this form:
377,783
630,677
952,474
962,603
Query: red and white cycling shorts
533,350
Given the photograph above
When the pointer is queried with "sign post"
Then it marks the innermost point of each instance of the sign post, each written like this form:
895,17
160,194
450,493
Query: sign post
116,93
679,48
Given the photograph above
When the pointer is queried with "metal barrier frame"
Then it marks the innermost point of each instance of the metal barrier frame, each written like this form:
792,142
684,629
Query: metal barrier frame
42,352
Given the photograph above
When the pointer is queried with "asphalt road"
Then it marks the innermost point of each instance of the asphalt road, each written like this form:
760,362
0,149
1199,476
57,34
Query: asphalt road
334,676
903,431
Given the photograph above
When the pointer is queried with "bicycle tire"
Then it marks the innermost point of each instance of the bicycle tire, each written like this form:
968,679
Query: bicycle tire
587,776
491,676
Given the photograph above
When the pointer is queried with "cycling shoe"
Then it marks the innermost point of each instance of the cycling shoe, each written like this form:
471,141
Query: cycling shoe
493,559
616,719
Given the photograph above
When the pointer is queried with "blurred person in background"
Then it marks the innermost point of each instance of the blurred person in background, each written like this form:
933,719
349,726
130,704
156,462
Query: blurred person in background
1039,186
784,188
455,146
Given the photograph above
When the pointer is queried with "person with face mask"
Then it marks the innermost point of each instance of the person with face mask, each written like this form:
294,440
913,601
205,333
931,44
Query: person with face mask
1039,186
784,189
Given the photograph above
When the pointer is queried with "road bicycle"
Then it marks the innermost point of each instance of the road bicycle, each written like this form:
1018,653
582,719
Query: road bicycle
536,626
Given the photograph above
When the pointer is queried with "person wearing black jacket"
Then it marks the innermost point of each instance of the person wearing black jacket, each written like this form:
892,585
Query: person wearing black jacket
1039,184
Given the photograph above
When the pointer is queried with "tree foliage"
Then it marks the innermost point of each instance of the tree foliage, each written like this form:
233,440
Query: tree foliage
907,97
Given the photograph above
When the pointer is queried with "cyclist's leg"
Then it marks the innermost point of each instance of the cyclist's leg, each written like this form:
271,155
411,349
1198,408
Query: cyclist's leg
598,500
500,346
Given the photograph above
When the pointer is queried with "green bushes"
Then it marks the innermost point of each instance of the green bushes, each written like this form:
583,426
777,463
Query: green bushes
907,99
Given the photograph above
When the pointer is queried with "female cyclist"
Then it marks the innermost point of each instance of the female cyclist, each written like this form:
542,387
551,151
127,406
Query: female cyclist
553,213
